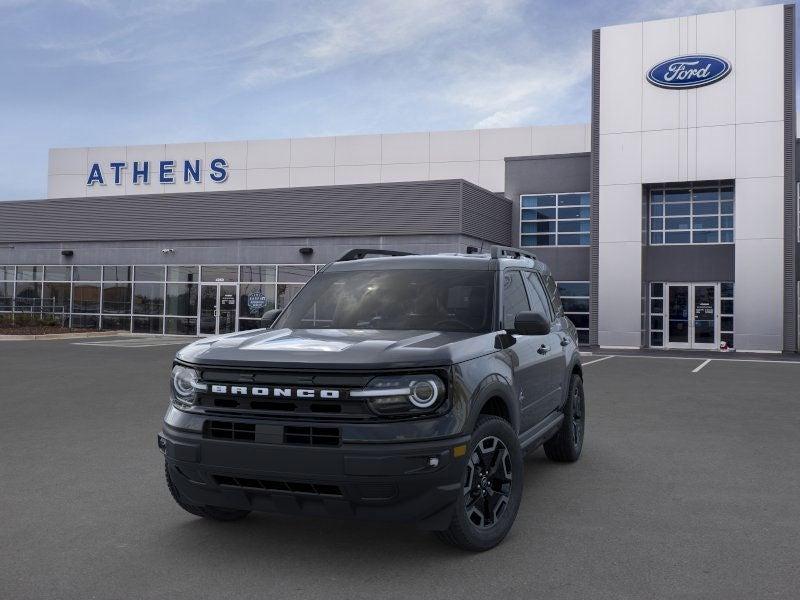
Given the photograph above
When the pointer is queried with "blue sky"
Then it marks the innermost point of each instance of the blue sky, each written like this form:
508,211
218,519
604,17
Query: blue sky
99,73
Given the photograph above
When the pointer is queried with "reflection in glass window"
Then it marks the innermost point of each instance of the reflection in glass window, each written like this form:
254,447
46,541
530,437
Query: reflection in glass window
223,273
86,298
27,295
180,326
575,300
117,273
148,273
257,273
148,324
85,321
181,299
515,298
116,298
83,273
255,299
286,293
55,298
295,273
554,220
148,299
189,274
29,273
115,323
57,273
6,272
6,295
702,215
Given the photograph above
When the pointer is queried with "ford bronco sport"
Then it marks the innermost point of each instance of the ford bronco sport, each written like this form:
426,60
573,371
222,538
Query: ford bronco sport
399,387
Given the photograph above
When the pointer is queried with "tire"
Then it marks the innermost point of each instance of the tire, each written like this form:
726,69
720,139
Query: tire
566,444
486,511
207,512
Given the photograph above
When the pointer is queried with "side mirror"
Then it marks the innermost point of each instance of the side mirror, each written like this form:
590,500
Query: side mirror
269,317
531,323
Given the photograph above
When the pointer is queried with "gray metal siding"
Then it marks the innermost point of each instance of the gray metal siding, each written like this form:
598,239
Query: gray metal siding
789,182
594,225
486,216
567,264
408,208
714,262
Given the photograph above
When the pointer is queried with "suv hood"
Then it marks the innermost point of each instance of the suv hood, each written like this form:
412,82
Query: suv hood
338,348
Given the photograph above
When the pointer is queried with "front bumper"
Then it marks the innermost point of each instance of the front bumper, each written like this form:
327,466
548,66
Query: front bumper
415,482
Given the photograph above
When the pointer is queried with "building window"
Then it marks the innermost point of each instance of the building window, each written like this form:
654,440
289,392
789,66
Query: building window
137,298
656,315
554,220
726,313
575,300
697,215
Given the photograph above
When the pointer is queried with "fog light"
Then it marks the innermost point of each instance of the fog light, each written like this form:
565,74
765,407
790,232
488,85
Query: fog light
433,461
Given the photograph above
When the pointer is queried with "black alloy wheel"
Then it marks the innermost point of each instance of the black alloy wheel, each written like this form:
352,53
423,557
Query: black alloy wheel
487,485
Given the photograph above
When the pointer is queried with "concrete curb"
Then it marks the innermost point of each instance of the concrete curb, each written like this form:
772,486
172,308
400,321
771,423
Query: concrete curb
61,336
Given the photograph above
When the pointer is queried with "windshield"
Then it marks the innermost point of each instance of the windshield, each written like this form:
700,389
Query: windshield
435,300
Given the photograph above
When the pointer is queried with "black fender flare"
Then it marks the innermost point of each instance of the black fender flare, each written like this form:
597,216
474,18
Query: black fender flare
493,386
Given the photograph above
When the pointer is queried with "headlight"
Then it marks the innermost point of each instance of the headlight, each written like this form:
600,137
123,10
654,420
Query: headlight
184,386
403,394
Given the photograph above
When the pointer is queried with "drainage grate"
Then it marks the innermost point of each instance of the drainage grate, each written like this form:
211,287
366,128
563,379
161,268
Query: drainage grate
312,436
318,489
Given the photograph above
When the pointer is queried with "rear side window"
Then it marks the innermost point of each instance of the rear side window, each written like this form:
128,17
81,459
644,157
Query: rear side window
515,298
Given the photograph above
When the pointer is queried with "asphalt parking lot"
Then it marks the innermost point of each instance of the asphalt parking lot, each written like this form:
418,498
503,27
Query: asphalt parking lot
689,487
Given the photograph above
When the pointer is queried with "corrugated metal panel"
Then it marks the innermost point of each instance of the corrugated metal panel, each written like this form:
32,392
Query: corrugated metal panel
426,207
790,340
594,223
486,215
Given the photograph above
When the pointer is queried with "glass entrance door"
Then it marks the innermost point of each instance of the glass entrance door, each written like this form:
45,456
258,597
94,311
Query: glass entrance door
693,313
704,329
678,316
217,309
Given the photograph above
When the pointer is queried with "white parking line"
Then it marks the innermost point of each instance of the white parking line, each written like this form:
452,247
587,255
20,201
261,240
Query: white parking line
136,343
701,365
591,362
733,360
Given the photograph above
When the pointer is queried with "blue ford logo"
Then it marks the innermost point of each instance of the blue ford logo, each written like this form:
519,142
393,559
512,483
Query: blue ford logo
683,72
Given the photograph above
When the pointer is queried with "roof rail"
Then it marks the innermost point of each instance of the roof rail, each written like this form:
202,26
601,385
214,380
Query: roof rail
359,253
509,252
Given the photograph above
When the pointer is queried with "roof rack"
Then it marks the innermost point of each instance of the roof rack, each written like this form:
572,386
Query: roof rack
359,253
509,252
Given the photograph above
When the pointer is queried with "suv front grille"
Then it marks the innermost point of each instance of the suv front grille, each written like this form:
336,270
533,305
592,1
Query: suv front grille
318,489
299,395
273,434
230,430
312,436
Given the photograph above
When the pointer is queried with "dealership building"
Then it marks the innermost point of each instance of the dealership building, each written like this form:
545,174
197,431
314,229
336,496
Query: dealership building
669,221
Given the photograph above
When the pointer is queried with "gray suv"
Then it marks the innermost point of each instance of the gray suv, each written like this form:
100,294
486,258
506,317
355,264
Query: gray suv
393,386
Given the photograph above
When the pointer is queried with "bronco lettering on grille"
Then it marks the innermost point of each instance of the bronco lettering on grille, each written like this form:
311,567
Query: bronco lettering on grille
276,392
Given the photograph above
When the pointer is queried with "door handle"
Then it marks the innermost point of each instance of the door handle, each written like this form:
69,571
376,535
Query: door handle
543,349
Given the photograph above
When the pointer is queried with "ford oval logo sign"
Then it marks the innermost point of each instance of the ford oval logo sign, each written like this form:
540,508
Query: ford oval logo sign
683,72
